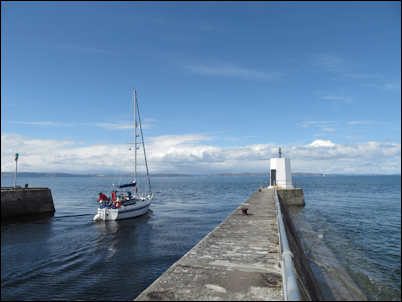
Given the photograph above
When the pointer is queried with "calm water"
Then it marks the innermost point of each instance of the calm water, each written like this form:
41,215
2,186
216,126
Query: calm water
68,257
351,225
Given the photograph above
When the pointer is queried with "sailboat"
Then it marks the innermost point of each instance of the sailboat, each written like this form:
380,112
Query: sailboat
127,202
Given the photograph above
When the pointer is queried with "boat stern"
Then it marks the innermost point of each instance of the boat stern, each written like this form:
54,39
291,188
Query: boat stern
106,214
100,215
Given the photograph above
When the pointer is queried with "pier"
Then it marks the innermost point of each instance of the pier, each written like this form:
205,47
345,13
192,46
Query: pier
246,257
19,202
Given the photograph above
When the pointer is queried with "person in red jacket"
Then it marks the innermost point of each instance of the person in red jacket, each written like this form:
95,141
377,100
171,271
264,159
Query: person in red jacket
102,198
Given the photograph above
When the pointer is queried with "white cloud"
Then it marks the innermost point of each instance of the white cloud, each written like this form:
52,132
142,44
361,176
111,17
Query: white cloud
364,76
360,123
42,123
113,126
333,98
146,124
322,143
326,126
332,126
307,124
343,68
393,86
327,129
233,71
330,62
80,48
193,153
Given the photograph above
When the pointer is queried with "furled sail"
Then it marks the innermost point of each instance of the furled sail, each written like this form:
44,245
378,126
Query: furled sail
133,184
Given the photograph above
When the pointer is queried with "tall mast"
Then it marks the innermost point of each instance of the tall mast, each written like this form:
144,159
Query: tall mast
135,135
143,147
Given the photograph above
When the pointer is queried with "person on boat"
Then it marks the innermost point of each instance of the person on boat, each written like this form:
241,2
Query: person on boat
102,198
113,195
114,200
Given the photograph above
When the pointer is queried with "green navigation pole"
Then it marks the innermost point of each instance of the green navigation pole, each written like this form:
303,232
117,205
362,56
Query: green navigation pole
15,177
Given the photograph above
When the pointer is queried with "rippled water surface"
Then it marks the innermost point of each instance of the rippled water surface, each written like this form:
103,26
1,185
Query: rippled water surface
70,257
351,230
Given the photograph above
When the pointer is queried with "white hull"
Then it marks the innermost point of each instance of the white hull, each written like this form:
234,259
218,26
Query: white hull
124,212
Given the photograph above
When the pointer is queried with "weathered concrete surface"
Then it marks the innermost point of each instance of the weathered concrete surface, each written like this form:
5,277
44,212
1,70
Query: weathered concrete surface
292,197
238,260
18,202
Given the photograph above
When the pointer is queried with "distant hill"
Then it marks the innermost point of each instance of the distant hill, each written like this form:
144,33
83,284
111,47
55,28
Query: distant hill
239,174
40,174
60,174
308,174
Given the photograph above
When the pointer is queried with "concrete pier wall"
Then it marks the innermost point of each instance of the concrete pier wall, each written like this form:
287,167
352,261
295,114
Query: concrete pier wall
239,260
292,197
20,202
307,283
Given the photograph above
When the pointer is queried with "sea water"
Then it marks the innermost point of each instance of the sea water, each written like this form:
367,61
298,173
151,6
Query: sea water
351,233
70,257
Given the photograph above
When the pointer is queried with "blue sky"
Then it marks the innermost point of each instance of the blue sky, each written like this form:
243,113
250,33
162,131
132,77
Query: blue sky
220,85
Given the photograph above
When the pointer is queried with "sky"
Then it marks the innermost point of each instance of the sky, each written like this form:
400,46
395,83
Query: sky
220,86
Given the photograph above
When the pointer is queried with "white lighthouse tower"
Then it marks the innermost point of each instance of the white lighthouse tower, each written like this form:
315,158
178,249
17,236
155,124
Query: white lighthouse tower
281,175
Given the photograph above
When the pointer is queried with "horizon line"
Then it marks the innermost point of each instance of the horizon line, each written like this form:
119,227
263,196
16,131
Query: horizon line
189,174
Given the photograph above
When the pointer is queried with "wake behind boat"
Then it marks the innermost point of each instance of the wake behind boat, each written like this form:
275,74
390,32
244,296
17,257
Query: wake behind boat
128,202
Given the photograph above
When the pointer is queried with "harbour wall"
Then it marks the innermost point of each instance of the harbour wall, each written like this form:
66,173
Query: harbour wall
240,259
307,283
291,197
24,202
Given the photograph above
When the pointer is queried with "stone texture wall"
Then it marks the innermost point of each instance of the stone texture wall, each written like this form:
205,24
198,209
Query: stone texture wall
292,197
26,202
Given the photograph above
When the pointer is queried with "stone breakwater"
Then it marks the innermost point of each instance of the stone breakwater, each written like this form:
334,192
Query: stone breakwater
25,202
239,260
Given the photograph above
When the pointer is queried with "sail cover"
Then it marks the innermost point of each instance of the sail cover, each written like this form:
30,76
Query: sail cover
133,184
